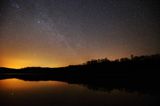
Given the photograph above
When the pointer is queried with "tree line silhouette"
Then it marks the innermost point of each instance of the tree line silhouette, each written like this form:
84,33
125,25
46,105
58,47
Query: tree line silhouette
133,66
135,73
145,62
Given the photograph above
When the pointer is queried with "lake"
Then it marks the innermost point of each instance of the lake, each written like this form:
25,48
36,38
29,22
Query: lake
16,92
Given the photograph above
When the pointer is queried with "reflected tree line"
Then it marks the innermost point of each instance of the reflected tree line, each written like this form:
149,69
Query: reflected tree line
137,73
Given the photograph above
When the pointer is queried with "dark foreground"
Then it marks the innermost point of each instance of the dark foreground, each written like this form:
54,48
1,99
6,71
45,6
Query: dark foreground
136,75
37,90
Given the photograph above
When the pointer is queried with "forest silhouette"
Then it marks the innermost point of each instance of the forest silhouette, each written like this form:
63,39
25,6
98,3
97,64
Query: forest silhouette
140,73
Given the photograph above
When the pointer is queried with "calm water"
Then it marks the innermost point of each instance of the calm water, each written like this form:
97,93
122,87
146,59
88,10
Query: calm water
15,92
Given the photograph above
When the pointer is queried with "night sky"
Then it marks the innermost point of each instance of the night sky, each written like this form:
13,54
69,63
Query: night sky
55,33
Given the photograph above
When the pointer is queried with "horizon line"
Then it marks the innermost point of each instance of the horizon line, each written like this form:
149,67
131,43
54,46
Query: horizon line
131,56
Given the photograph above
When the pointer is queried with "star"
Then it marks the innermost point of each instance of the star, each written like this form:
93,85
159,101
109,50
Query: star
38,21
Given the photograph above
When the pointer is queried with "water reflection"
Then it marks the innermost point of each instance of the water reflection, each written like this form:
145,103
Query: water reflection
15,92
17,84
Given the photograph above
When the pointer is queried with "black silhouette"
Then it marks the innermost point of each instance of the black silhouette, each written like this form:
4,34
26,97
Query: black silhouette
135,73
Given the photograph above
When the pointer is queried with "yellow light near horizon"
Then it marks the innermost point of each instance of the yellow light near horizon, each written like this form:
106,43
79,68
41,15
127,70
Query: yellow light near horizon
15,63
21,63
18,61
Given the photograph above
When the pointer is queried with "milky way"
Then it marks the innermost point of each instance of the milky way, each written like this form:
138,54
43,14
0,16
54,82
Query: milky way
62,32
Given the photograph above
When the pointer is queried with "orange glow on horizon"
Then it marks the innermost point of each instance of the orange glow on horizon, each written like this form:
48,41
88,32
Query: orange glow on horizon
21,63
18,63
22,60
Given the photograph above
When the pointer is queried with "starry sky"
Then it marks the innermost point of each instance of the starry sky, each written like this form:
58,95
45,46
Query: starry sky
56,33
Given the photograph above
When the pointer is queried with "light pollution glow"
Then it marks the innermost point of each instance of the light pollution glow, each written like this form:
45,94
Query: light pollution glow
56,33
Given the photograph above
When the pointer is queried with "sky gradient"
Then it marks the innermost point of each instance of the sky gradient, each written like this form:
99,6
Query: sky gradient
55,33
